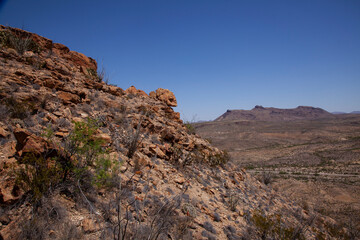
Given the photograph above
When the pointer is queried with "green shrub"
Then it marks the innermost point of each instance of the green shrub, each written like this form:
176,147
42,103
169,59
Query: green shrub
39,175
86,150
190,128
106,171
82,144
82,151
219,158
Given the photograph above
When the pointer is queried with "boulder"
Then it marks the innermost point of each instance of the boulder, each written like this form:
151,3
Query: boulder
89,225
154,149
179,180
81,60
4,133
68,98
60,49
164,95
28,142
133,90
115,90
105,138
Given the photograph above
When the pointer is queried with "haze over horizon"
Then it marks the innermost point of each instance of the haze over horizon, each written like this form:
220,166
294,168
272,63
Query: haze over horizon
214,55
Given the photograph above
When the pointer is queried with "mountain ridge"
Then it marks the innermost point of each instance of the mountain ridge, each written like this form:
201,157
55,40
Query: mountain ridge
261,113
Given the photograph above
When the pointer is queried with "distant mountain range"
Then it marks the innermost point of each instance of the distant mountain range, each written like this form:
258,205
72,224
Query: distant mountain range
353,112
275,114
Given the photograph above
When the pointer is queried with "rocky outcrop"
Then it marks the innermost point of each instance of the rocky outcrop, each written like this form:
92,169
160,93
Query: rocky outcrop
134,91
46,46
165,96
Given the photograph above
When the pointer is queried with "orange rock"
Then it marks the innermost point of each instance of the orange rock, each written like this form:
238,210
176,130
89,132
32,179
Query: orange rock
6,194
152,94
60,49
133,90
81,60
3,133
166,96
61,134
68,98
49,82
27,142
180,180
105,137
89,225
115,91
155,150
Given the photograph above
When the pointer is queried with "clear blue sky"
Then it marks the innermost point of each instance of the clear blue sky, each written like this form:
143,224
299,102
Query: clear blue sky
213,54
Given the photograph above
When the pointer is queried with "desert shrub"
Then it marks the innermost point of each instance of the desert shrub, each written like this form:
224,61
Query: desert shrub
98,75
219,158
20,44
273,227
48,221
39,175
231,234
162,220
86,150
208,235
62,122
190,127
91,72
83,145
17,109
179,157
216,217
189,210
106,171
266,178
131,138
233,200
102,76
209,227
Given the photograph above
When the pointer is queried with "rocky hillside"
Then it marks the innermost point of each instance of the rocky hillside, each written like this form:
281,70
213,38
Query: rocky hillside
81,159
275,114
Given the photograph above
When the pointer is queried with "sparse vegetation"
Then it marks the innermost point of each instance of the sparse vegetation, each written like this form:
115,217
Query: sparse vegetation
273,227
190,127
39,175
266,178
233,200
20,44
219,158
18,109
102,75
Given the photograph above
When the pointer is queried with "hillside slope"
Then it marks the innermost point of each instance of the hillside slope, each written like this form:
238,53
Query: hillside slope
275,114
81,159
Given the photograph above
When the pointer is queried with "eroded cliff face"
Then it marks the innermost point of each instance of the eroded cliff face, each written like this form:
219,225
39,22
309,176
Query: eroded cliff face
81,159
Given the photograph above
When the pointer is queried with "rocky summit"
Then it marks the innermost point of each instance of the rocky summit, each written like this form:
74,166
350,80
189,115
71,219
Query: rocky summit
82,159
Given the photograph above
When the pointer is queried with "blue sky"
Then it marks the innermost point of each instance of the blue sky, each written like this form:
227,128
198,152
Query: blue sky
214,55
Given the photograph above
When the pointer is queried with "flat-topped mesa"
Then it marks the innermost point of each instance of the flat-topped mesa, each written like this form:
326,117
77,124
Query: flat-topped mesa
261,113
